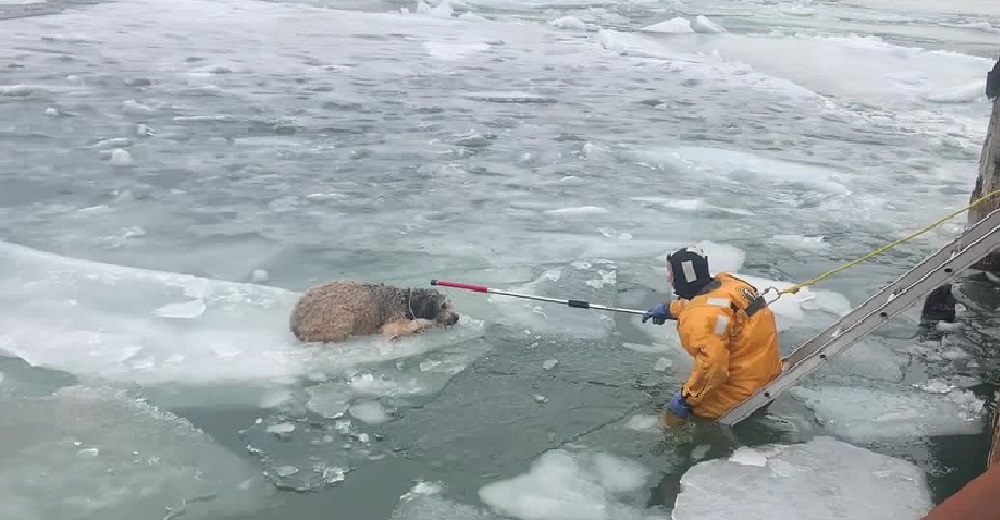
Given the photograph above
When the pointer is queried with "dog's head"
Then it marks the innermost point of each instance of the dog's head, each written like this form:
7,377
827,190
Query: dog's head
432,305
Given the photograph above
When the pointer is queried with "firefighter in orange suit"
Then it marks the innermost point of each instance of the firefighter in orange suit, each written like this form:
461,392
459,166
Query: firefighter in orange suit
725,325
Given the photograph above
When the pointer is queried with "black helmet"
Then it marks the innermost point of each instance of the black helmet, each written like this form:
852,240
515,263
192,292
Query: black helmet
687,271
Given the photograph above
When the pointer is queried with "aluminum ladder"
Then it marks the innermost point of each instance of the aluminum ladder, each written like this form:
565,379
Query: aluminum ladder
940,268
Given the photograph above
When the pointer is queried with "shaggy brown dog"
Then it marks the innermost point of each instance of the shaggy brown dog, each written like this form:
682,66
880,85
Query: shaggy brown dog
335,311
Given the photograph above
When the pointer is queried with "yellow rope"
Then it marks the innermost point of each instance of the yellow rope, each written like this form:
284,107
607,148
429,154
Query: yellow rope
797,287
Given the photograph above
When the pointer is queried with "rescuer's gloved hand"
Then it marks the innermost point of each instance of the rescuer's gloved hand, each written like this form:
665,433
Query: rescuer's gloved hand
658,313
679,406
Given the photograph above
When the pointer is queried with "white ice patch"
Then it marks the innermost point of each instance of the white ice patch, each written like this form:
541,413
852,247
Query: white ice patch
676,25
966,93
98,453
798,243
568,22
822,479
424,502
186,310
793,307
864,414
646,423
453,51
740,167
691,205
746,456
370,412
850,67
565,486
153,328
722,257
578,211
702,24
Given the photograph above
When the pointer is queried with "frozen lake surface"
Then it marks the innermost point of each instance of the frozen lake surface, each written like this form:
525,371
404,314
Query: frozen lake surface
173,175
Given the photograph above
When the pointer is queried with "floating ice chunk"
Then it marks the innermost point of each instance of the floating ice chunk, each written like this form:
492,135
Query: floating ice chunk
608,278
276,397
582,210
863,414
638,347
112,330
370,412
801,242
742,167
187,310
662,364
128,457
285,427
509,96
259,276
822,479
541,399
935,386
472,17
747,456
691,205
134,107
722,257
675,25
565,486
702,24
427,488
700,451
88,452
644,423
115,142
424,502
120,157
285,471
568,22
549,364
451,50
967,93
52,112
618,475
206,118
442,10
953,353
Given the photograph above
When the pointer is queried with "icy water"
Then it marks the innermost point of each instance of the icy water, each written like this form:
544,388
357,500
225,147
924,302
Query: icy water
173,174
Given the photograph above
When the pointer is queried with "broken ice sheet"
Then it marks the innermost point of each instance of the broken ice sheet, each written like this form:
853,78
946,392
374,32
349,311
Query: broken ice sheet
891,411
563,485
186,310
313,455
823,479
135,458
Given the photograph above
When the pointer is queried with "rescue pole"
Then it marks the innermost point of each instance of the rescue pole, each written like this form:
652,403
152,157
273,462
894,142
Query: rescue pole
576,304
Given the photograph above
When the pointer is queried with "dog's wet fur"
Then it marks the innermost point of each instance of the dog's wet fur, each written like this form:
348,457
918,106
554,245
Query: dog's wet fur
335,311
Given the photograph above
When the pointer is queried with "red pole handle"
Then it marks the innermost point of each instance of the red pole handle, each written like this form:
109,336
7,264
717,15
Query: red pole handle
473,288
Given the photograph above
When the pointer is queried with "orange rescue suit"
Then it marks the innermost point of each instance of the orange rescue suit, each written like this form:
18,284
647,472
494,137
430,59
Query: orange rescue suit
733,338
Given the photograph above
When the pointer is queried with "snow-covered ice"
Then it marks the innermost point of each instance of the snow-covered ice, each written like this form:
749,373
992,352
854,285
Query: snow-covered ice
864,414
562,485
821,479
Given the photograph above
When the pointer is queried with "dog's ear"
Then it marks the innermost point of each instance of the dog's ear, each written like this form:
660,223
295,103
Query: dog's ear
426,304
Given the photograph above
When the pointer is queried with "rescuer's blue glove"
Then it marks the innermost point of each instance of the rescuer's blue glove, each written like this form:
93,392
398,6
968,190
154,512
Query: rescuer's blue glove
679,406
658,313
